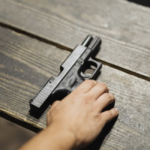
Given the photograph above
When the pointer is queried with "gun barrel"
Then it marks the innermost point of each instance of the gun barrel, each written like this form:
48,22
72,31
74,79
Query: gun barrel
87,41
95,43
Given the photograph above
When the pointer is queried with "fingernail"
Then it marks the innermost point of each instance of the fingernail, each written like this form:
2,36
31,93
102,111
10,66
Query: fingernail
117,109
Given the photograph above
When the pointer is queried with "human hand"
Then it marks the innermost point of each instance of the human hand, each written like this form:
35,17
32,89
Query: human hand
79,116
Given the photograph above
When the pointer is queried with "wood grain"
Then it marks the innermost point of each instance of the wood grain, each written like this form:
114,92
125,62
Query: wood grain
25,66
123,27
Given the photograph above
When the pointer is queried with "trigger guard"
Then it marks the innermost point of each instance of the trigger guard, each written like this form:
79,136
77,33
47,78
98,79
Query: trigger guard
84,76
87,64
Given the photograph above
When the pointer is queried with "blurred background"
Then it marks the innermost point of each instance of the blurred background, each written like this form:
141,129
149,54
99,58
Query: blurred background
12,136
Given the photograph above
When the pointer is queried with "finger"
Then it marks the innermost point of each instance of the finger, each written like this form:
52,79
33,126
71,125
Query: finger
86,86
48,113
98,90
109,115
54,105
104,100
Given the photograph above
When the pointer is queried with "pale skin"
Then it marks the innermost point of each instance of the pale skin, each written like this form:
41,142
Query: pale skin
77,120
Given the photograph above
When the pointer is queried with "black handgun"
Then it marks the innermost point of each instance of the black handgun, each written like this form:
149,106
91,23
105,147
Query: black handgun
72,74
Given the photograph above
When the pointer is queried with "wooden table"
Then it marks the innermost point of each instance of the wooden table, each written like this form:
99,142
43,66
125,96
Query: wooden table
36,37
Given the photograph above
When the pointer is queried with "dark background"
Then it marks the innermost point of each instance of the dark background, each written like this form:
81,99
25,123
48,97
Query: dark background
13,136
141,2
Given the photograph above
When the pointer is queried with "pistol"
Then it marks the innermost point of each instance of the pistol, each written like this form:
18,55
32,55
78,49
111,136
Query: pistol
72,74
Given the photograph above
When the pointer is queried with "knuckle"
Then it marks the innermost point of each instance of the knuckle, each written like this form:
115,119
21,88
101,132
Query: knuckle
109,96
104,86
91,82
112,113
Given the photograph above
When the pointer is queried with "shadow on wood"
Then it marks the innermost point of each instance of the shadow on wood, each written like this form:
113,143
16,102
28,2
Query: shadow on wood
141,2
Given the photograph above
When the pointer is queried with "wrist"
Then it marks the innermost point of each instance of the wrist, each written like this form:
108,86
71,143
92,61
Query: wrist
61,138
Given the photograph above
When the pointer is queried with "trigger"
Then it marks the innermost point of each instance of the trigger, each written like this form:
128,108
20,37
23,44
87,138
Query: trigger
71,81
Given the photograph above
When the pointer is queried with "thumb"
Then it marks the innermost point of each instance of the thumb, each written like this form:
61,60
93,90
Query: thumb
54,104
48,113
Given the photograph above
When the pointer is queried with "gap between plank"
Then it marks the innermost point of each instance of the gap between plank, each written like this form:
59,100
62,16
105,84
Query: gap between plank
124,70
35,36
62,47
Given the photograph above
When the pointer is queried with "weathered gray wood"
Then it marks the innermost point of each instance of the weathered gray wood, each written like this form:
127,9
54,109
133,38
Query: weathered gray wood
26,64
123,27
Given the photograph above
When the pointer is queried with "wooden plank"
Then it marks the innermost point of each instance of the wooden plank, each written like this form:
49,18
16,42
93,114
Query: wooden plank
25,66
123,27
22,73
